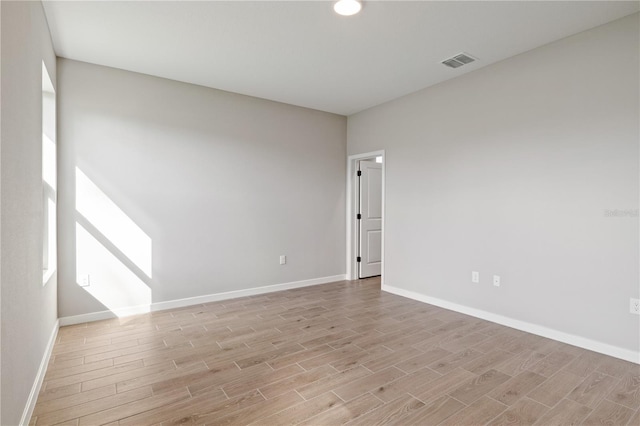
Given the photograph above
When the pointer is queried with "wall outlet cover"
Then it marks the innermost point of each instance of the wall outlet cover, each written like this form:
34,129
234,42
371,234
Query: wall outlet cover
85,280
634,306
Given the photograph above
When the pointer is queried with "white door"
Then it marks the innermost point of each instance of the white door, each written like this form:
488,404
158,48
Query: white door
370,219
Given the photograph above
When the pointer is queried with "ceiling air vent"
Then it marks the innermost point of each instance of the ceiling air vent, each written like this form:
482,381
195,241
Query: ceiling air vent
458,60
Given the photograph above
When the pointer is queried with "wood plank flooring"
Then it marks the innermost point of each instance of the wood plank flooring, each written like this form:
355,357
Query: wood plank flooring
340,353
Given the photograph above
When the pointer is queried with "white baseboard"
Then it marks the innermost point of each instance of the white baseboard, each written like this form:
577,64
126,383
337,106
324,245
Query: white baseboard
189,301
37,383
571,339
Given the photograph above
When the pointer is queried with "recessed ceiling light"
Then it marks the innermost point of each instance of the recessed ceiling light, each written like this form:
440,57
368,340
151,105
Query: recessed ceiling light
347,7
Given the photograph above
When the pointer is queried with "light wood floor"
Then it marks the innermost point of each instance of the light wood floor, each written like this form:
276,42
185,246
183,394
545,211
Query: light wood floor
327,355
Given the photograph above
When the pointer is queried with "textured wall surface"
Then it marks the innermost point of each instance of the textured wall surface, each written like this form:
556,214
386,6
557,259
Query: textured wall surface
28,308
514,170
209,187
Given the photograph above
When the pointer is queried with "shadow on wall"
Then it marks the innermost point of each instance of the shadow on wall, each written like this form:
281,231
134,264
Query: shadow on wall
113,254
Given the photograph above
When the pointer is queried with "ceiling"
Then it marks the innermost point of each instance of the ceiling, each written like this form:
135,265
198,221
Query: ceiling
302,53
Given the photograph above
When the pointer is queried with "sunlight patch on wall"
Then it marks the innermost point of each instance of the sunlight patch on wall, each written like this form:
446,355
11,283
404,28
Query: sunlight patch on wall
112,283
113,223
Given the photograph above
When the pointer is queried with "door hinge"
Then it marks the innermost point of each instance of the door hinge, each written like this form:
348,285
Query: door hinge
358,259
359,172
359,216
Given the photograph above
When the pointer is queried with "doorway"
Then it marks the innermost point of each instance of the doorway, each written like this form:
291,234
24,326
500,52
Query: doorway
365,215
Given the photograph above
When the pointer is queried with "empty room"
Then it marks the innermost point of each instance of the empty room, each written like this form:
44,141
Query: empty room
319,212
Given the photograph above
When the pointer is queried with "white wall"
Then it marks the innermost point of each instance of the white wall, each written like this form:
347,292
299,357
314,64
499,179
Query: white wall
28,310
509,170
218,185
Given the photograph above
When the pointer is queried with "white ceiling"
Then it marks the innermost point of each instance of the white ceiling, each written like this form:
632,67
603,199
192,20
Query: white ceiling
302,53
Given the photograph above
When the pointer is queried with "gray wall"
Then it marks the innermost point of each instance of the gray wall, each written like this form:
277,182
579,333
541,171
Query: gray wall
28,310
508,171
222,184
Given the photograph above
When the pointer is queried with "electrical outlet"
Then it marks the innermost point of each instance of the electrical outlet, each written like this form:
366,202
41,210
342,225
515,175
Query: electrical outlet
283,259
85,280
634,306
475,276
496,280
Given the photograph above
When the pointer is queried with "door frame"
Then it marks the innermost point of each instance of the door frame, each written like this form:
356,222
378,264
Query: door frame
352,200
